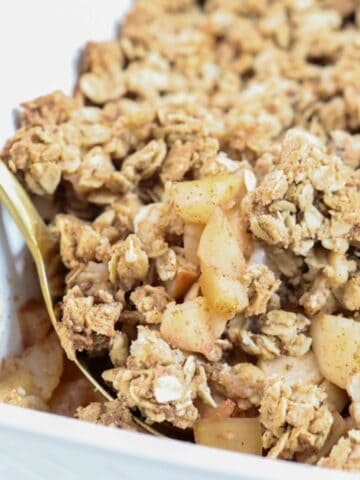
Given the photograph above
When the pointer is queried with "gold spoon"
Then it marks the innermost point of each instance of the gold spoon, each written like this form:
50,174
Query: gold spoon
44,248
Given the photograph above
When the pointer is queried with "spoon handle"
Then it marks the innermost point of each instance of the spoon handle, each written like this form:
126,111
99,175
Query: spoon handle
41,242
17,201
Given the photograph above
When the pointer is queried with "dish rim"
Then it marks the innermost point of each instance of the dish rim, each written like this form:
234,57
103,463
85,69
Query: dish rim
137,445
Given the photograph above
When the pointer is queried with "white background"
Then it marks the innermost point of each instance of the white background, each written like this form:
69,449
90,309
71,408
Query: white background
39,44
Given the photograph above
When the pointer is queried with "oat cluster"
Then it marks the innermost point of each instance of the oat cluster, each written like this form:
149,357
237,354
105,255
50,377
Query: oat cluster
206,179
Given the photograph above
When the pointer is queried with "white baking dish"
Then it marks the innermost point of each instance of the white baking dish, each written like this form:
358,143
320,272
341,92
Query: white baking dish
38,41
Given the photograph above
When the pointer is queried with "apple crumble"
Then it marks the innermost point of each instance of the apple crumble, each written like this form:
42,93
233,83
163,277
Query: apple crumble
206,175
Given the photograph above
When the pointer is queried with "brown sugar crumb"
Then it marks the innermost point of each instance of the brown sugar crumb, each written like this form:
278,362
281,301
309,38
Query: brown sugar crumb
160,381
296,419
273,334
345,455
112,414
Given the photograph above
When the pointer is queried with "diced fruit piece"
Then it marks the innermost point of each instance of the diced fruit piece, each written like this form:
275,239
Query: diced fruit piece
196,200
182,282
218,323
34,322
338,429
336,344
45,361
224,410
19,379
222,264
193,292
192,235
225,295
187,326
238,434
239,228
72,394
336,396
293,370
219,248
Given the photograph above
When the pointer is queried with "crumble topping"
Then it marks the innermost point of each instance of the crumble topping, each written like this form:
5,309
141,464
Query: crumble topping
207,187
296,419
271,335
161,382
345,455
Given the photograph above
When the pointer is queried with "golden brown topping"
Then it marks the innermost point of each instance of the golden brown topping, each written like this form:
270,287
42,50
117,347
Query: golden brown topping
79,242
345,455
55,108
128,263
301,201
150,302
262,284
271,335
160,382
86,325
102,78
242,383
207,183
296,419
113,414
